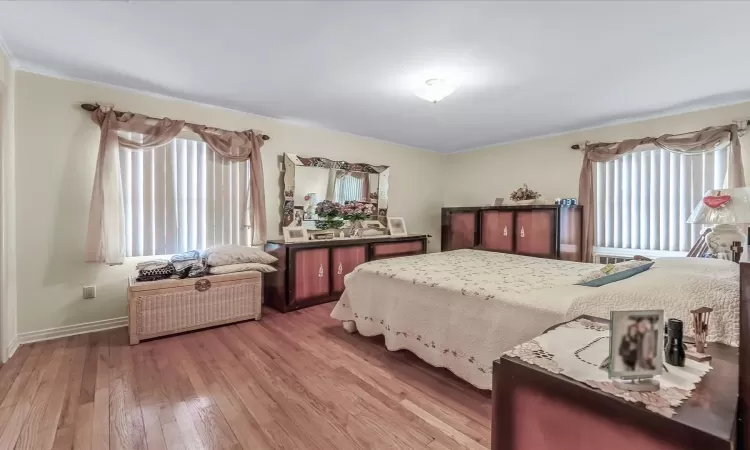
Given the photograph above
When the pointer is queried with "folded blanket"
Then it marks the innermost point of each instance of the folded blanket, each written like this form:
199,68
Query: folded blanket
153,264
154,270
190,264
151,277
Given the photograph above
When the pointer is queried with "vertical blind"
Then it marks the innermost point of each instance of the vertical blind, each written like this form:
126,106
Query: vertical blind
644,198
182,196
349,188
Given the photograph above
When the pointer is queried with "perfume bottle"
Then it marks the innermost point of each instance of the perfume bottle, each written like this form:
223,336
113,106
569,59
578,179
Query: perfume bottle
674,351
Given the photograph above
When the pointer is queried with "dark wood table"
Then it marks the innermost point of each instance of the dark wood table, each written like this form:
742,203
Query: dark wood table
533,409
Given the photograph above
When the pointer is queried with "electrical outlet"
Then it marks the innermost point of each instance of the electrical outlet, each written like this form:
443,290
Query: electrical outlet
89,292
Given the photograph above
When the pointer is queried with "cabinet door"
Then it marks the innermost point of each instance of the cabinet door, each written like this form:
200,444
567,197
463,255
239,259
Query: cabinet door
311,275
345,259
497,230
535,233
462,228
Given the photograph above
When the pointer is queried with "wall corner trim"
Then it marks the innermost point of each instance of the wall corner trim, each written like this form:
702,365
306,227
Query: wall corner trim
12,347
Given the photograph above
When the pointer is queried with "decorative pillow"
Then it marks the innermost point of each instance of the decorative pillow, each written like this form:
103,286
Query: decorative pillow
614,272
231,268
223,255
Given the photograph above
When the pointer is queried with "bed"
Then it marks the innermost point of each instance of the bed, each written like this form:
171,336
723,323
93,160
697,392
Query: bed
462,309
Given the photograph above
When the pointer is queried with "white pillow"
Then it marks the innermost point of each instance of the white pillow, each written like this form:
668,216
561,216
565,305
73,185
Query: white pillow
231,268
222,255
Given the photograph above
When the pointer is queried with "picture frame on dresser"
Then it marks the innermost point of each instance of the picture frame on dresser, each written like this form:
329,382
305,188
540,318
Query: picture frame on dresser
295,234
397,226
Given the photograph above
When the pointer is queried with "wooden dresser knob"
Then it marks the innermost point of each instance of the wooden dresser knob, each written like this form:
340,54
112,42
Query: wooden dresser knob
202,285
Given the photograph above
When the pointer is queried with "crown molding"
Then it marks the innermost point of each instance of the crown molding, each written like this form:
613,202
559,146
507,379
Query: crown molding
43,71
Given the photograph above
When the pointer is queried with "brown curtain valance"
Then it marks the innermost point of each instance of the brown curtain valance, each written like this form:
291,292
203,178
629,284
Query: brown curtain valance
106,229
705,140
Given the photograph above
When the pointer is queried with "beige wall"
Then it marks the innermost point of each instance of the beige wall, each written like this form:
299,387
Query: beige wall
56,153
57,146
549,166
7,208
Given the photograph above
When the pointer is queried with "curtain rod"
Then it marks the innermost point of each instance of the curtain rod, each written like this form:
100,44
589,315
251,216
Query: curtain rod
741,124
92,108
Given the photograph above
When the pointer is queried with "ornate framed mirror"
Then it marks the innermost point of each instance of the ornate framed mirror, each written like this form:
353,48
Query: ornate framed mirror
310,180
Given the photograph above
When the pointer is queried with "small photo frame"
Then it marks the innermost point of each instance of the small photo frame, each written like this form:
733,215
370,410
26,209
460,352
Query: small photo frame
372,225
499,201
295,234
320,235
636,344
299,216
397,226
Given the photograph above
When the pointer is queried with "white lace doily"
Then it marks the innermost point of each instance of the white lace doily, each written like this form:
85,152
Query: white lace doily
576,349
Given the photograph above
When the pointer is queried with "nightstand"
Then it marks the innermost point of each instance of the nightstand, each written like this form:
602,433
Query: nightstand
534,409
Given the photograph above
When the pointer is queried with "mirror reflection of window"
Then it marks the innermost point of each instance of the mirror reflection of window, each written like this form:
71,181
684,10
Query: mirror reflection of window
351,186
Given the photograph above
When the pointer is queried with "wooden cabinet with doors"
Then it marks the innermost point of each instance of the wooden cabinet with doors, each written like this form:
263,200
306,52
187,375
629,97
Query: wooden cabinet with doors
545,231
313,272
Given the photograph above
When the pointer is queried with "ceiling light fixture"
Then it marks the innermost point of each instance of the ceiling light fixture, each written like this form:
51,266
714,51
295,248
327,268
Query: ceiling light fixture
435,90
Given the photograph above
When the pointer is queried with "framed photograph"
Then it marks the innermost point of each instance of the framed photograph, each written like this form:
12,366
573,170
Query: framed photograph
299,216
373,225
499,201
397,226
319,235
636,344
295,234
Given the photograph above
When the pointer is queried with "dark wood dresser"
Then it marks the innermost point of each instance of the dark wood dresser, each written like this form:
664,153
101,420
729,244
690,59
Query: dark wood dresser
313,272
546,231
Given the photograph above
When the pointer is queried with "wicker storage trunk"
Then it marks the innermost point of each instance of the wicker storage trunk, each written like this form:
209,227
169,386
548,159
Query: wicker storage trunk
160,308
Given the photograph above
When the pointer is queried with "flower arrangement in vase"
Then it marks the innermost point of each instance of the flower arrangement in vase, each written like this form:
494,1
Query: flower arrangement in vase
355,213
524,195
330,215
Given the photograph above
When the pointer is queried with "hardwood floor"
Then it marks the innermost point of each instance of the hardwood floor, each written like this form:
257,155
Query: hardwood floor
293,381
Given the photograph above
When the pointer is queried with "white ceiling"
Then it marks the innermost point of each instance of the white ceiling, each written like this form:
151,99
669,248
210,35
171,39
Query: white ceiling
525,68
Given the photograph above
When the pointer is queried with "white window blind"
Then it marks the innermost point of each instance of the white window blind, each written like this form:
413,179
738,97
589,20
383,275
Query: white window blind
349,188
643,199
182,196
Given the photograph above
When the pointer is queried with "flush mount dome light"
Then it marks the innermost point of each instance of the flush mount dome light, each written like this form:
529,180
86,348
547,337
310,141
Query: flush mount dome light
435,90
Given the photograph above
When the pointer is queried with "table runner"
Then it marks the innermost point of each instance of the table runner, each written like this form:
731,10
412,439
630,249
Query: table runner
576,348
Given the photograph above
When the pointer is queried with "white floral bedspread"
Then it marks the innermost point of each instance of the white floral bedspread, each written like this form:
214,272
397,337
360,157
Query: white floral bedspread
462,309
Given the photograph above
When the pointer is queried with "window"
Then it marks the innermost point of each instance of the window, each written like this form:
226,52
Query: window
350,188
643,199
181,197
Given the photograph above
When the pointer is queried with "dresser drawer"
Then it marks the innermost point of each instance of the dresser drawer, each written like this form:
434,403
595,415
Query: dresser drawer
396,249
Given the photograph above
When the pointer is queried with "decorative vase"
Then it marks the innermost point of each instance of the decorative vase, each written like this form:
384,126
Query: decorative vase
526,202
720,239
355,228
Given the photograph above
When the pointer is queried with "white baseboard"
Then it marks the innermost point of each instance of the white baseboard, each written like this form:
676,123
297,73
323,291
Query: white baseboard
69,330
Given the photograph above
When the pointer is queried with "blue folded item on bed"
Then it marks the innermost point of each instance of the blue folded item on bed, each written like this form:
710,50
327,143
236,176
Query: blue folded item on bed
618,275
